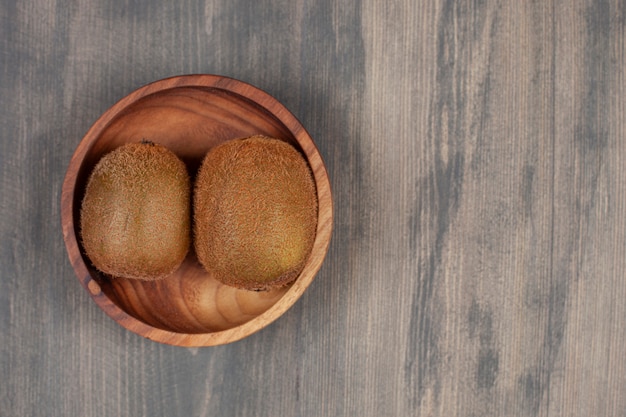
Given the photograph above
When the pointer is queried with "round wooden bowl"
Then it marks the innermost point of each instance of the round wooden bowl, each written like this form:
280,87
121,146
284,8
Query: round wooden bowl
190,114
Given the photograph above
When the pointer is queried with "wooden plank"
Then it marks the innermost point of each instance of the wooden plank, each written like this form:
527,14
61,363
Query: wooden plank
475,152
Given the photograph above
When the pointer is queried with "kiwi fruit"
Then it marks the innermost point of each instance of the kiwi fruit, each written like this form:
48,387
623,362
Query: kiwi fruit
135,219
255,213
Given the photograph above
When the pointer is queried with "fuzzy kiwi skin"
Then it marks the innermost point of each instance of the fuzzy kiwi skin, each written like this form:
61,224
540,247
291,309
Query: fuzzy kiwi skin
255,213
135,215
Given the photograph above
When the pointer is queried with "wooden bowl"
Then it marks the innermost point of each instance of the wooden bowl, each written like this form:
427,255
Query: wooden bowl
190,114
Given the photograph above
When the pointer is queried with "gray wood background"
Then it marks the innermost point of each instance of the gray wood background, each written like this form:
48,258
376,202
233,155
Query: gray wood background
476,153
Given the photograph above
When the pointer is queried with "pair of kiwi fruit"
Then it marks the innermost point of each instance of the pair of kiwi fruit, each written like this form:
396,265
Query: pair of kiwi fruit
254,214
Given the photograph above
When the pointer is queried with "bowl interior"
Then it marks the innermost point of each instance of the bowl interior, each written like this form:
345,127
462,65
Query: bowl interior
189,120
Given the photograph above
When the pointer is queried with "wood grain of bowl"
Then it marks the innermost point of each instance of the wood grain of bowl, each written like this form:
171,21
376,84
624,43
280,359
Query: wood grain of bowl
190,114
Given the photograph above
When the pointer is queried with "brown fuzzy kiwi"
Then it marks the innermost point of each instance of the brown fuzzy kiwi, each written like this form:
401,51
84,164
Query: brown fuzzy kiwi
135,216
255,213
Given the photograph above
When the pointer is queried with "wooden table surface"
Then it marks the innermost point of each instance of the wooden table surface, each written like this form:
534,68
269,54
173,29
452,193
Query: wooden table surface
476,152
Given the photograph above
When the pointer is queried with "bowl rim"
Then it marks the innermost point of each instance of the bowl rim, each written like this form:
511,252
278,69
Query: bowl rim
320,245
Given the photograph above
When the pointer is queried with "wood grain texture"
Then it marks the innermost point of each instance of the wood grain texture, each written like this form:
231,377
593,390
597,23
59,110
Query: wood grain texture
475,152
